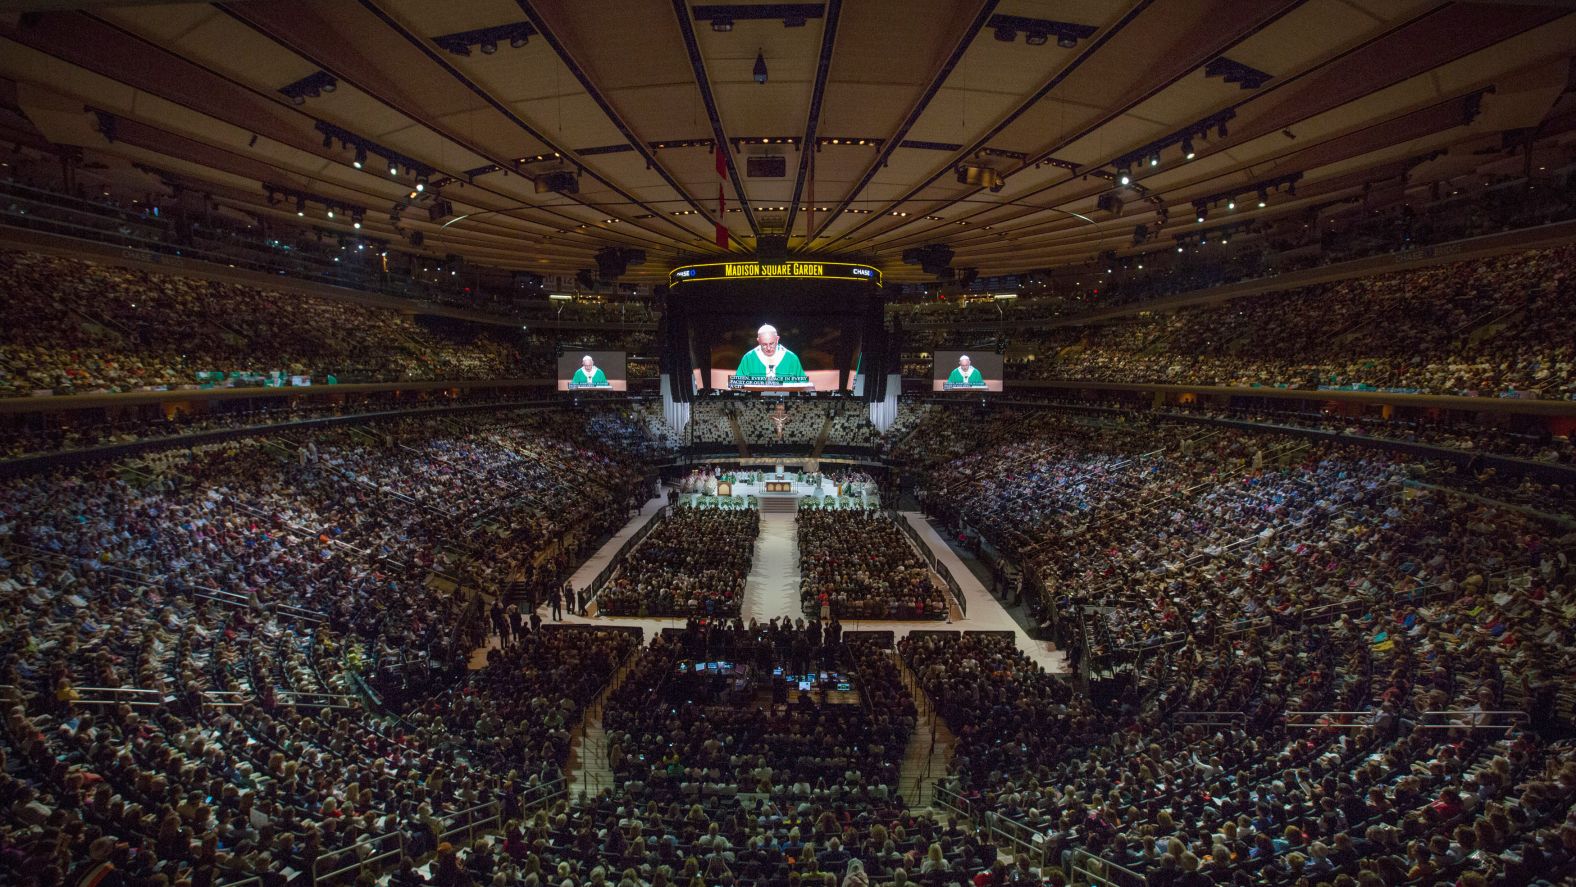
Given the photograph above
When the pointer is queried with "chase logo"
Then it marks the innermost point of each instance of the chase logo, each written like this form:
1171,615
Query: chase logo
861,272
687,272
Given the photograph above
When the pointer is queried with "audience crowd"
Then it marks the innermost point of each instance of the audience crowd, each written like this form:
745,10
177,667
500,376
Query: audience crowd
677,733
96,328
694,562
855,563
1488,327
188,646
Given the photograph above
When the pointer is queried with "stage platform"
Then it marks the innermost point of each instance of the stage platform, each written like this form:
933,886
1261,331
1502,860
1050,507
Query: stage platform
786,487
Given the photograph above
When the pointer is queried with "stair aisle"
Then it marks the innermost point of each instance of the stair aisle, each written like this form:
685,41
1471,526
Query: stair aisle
929,750
587,766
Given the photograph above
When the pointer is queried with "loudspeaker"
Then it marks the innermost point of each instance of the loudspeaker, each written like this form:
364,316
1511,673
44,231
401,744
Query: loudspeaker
562,182
772,248
774,166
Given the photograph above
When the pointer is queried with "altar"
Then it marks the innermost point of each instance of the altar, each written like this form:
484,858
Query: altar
756,487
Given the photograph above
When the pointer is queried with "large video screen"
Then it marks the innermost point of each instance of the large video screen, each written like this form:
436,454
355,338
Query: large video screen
591,371
965,371
783,353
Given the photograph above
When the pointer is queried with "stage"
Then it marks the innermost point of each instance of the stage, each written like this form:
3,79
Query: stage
764,485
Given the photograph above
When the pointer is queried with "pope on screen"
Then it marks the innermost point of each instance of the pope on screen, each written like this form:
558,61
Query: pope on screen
770,360
965,373
589,374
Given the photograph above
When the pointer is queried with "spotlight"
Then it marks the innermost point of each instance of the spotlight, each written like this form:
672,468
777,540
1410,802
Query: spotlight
300,206
1124,176
421,183
1264,198
722,24
1180,248
1202,215
328,141
329,85
1221,129
1187,149
1154,159
331,212
760,68
356,222
489,47
518,41
361,157
1036,38
298,99
1067,41
393,168
1231,204
1006,35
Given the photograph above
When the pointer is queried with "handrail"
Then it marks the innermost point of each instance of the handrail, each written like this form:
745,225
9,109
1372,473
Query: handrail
1093,869
472,822
321,877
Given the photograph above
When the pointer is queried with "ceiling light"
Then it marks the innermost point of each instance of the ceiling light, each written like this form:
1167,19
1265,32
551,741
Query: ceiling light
331,212
1067,41
393,168
1263,198
518,41
1187,149
760,68
361,157
488,47
722,24
421,183
1231,204
1154,159
1036,38
1124,176
300,206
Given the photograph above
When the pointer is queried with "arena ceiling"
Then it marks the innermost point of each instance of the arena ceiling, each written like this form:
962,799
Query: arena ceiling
874,106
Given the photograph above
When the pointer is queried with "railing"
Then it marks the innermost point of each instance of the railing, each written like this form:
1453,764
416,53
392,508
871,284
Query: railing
1464,719
472,820
934,562
615,563
537,795
377,848
953,801
134,696
1084,867
1210,718
1022,837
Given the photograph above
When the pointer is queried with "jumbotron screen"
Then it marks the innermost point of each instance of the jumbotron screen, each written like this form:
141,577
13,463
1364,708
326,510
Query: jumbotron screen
591,371
782,351
967,371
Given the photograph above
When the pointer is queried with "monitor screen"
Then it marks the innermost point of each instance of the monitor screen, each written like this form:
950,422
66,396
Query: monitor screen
775,336
591,371
967,371
783,352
